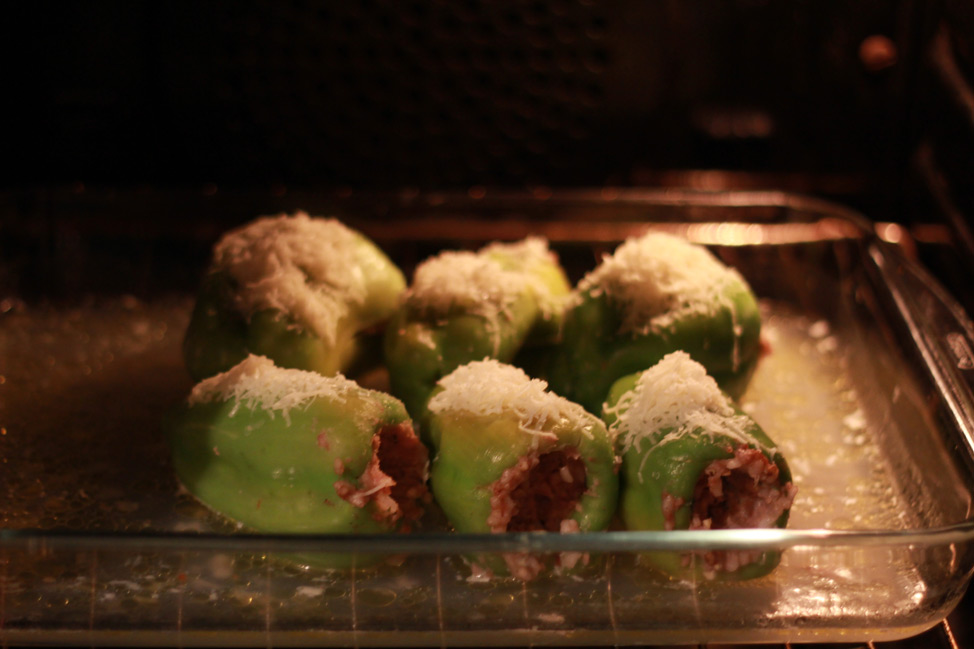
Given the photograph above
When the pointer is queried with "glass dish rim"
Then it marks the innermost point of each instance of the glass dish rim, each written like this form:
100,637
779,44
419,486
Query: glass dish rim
763,539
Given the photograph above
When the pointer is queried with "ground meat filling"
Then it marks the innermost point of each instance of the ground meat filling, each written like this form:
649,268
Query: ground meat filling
394,480
538,493
404,458
740,492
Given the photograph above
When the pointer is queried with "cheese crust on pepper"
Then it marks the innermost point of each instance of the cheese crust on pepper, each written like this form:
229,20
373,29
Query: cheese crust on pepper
284,450
656,294
691,459
463,306
511,456
304,291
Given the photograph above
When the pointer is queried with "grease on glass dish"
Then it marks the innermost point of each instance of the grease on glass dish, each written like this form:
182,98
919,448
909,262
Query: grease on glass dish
802,396
85,389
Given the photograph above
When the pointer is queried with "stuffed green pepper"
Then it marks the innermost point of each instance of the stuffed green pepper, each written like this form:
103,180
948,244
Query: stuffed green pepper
465,306
691,459
309,293
654,295
284,450
512,457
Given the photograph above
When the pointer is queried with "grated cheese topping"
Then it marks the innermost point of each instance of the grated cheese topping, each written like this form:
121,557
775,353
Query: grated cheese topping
302,266
489,387
659,278
256,382
464,280
484,283
674,398
529,256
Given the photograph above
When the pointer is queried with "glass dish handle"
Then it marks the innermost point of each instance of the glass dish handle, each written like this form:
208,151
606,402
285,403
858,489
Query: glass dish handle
943,332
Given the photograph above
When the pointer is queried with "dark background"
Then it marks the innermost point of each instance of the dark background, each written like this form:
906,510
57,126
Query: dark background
144,124
837,98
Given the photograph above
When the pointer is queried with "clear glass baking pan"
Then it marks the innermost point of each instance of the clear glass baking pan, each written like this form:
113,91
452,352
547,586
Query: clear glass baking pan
866,389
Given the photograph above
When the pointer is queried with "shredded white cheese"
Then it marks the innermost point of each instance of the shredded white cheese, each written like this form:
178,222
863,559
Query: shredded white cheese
484,283
529,256
658,279
464,280
256,382
302,266
673,398
489,387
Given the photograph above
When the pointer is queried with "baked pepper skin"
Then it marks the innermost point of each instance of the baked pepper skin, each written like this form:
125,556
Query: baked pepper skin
290,469
488,472
514,300
601,341
664,473
360,294
216,338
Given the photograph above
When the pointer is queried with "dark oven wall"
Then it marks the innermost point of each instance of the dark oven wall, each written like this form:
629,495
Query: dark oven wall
389,93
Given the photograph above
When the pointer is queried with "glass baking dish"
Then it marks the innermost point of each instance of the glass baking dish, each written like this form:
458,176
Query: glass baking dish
866,389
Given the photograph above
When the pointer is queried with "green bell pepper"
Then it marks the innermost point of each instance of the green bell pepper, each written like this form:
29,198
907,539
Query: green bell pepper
512,457
466,306
283,450
691,459
654,295
308,293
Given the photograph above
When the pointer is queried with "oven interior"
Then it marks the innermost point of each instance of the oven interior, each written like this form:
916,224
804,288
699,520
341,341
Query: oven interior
143,130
